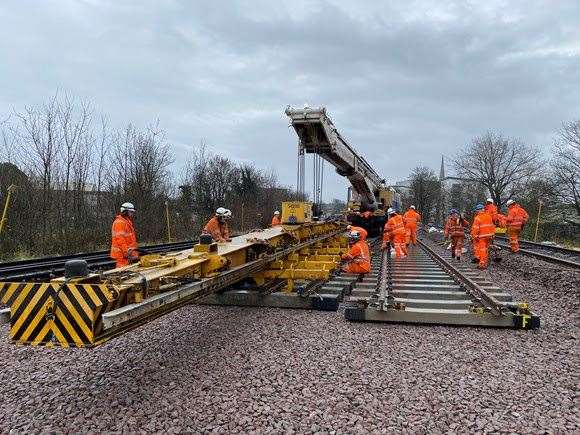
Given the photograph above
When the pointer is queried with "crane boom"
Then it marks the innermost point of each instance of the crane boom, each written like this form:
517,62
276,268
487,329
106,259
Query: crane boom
317,134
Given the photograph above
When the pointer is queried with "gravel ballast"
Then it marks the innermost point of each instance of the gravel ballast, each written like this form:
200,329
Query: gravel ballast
203,369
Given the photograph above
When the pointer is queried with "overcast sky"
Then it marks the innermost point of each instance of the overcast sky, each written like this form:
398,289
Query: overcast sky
404,81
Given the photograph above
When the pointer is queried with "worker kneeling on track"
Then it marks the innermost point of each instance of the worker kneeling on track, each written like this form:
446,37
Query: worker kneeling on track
123,238
411,219
394,232
455,229
482,232
516,220
217,226
358,258
360,230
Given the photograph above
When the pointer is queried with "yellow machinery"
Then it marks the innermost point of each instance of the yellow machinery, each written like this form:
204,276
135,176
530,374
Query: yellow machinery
296,212
85,309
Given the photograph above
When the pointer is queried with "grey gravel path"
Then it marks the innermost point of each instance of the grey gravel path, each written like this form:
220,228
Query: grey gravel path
231,370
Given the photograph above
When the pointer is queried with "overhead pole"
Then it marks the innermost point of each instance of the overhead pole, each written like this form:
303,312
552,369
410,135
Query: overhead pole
168,222
538,219
4,219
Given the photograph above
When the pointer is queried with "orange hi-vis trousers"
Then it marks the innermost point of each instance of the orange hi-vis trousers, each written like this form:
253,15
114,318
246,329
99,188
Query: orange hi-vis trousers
481,248
513,234
398,241
457,245
413,233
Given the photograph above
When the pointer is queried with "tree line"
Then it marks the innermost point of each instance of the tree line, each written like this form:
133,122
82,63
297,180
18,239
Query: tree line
72,172
502,168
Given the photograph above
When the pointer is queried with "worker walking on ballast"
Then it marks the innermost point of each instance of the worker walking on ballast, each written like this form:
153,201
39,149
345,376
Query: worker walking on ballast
123,238
394,232
276,221
482,232
516,220
455,229
411,218
217,226
358,258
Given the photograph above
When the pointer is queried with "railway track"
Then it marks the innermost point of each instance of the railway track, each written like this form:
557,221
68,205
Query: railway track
553,254
47,267
426,288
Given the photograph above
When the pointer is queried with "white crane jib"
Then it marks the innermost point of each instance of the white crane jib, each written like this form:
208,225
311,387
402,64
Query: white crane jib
318,135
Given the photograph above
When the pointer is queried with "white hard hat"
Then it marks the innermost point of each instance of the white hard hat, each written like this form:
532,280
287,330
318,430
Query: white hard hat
228,212
510,202
413,207
276,212
221,211
127,206
390,210
489,200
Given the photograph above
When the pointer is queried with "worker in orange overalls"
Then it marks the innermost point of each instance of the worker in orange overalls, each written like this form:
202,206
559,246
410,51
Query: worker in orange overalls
516,219
394,232
360,230
482,232
276,219
491,208
411,219
123,237
358,258
455,229
217,226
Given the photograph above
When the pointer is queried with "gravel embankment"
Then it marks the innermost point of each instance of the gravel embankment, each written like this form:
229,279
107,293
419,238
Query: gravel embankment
229,370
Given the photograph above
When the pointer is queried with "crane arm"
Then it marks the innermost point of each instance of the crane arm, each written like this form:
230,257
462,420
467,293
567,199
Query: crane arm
317,134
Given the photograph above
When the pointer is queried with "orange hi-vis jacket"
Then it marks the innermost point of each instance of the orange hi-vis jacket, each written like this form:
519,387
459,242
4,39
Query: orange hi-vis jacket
123,238
411,218
516,217
455,226
501,220
361,231
394,227
276,221
492,210
359,254
483,226
219,231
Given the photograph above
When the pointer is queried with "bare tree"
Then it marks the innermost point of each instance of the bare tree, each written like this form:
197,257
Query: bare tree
565,164
425,192
499,163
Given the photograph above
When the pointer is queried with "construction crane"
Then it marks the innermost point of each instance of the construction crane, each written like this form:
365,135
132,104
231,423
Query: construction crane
317,135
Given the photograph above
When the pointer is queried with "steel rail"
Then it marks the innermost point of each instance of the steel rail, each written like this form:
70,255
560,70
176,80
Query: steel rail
560,249
41,267
542,256
472,288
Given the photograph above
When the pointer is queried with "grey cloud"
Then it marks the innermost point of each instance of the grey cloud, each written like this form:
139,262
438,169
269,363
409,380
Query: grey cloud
405,82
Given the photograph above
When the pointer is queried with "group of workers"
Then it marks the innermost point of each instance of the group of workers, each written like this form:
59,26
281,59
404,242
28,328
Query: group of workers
399,232
487,218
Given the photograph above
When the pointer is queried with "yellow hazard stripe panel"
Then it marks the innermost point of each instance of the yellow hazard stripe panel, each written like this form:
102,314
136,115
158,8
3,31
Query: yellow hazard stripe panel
58,314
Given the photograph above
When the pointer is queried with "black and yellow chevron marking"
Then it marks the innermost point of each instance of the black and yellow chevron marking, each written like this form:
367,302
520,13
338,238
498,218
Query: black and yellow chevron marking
53,314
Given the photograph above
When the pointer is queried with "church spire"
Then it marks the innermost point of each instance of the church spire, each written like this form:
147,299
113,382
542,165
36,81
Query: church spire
442,170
